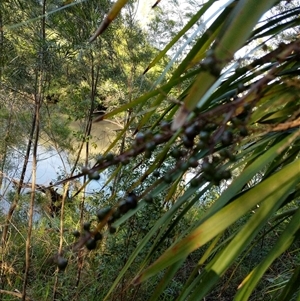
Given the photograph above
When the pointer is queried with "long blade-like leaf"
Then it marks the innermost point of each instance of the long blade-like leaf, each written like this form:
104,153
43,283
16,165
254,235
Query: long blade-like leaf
222,219
113,13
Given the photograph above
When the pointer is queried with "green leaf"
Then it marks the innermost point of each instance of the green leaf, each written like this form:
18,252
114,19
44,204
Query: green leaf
191,22
291,287
166,279
286,238
231,37
112,14
225,217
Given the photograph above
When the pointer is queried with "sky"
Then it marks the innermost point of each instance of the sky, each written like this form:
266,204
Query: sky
144,11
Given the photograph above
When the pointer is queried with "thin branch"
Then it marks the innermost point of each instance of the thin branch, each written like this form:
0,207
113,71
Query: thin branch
15,294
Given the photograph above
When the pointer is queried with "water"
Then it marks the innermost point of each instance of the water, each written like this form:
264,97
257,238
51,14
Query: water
51,167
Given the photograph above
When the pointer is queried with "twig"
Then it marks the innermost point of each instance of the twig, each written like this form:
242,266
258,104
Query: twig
16,294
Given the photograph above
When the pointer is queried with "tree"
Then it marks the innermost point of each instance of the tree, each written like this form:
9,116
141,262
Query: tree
45,58
204,175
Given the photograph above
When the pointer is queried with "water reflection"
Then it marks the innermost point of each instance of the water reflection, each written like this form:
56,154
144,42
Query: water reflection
51,167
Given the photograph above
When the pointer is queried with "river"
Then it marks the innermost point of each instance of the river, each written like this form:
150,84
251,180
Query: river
53,165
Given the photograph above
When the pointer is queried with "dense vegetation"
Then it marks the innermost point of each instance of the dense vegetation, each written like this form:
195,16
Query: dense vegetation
199,196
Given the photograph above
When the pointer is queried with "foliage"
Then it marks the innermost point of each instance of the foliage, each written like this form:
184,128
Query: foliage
201,201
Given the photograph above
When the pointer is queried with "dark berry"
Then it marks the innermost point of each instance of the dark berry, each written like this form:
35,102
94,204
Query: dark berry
227,138
232,157
235,121
62,263
87,226
101,214
117,213
215,181
123,207
148,198
201,145
167,178
76,233
94,176
226,153
243,131
140,138
184,166
158,138
183,152
210,127
204,136
198,125
187,142
148,154
150,146
91,244
218,176
193,162
191,132
208,63
176,153
156,173
109,157
216,159
208,177
98,236
99,159
240,87
226,174
131,200
85,170
207,167
247,107
112,229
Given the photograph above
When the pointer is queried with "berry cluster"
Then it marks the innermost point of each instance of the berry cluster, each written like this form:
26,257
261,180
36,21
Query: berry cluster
145,142
90,237
106,216
214,136
110,214
217,140
214,173
197,134
61,262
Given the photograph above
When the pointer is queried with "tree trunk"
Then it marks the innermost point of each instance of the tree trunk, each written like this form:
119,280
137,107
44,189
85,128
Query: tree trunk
38,103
